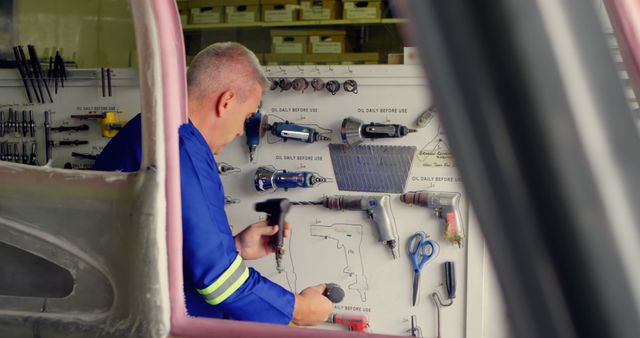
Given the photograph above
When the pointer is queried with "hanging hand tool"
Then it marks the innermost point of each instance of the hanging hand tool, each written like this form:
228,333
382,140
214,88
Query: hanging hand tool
284,84
350,86
332,86
81,127
109,123
415,330
354,131
25,155
36,75
377,208
103,78
253,132
84,156
32,125
16,153
421,250
355,322
450,284
71,143
33,157
291,131
446,206
48,142
226,169
317,84
25,124
334,292
9,126
109,81
230,200
30,75
270,179
426,117
37,69
300,84
3,156
276,210
2,123
23,73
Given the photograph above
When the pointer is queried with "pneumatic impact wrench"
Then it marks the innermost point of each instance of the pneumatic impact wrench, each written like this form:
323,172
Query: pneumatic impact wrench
276,210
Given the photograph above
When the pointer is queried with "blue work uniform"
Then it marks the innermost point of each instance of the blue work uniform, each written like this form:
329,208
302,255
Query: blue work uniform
217,283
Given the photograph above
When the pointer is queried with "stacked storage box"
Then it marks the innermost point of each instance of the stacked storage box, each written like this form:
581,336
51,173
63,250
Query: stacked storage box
324,10
205,11
280,10
241,11
356,9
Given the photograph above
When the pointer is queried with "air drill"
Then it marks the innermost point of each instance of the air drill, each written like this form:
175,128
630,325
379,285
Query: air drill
377,208
276,210
446,206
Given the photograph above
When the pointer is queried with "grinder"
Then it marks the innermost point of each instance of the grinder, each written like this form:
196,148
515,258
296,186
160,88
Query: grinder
354,131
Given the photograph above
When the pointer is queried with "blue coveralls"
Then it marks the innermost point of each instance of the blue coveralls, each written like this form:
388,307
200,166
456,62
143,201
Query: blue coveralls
213,270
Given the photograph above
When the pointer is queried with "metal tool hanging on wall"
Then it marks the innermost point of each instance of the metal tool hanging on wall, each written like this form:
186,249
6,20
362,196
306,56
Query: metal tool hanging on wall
293,131
425,117
377,209
446,206
105,76
226,169
354,131
450,285
268,178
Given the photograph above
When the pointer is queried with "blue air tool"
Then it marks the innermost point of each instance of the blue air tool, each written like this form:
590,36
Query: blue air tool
253,131
270,179
291,131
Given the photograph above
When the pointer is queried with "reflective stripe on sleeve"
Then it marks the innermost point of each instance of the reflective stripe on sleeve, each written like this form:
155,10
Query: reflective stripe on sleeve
223,287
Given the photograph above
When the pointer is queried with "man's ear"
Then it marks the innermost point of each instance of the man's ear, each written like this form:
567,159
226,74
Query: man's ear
225,100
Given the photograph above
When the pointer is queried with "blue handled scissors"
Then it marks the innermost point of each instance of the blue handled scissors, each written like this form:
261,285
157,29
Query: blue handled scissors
420,250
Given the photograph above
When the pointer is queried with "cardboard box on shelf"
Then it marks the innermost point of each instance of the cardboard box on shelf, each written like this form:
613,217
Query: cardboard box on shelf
241,11
324,10
359,58
288,41
328,41
395,58
288,44
354,9
205,11
280,10
282,59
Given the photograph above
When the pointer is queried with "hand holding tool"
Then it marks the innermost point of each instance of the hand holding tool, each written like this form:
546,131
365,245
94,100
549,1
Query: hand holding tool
334,292
276,210
270,179
421,250
446,206
377,208
354,131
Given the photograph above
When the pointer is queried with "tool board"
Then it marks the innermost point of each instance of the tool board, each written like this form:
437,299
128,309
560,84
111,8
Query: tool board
375,284
346,250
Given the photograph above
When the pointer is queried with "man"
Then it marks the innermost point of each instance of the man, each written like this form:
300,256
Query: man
225,85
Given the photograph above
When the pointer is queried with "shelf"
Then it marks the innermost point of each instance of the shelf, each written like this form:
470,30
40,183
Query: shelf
198,27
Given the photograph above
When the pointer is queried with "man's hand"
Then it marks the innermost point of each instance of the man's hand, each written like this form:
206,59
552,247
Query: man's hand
311,306
253,242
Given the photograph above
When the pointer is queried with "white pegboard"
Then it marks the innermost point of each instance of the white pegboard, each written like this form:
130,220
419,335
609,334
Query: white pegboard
387,94
82,93
390,94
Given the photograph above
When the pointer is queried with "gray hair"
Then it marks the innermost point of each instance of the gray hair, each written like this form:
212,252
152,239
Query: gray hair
222,66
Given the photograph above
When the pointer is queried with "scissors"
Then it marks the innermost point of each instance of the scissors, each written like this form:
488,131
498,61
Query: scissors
420,250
